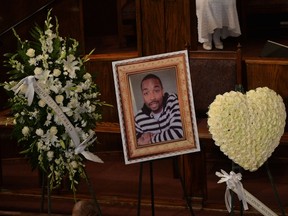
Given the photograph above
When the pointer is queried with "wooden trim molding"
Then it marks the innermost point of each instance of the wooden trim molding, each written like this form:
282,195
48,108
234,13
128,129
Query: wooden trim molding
6,121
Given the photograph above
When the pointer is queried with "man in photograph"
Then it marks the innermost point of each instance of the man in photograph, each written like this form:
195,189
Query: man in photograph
159,119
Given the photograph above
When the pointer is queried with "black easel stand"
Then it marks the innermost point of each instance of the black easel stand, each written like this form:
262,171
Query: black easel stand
151,188
188,200
92,192
236,168
46,182
274,189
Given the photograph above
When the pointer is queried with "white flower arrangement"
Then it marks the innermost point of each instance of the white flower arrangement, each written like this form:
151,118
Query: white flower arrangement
52,64
247,128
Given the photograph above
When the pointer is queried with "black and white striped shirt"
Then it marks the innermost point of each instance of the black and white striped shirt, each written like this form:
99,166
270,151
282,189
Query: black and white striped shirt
167,127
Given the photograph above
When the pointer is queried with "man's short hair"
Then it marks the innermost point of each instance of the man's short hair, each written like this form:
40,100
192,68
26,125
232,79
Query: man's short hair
151,76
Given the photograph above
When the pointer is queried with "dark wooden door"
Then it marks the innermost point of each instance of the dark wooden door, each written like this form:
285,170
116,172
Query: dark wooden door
164,25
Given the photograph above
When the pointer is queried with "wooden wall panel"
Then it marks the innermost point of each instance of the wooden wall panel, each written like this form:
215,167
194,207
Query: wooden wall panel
166,25
152,26
271,73
178,25
102,74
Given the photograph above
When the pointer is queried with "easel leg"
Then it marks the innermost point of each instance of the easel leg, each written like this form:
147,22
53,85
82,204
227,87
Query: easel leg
92,192
48,196
45,183
274,189
187,198
152,188
42,192
1,172
140,189
235,168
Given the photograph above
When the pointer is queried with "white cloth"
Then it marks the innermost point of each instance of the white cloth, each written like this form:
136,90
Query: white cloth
217,14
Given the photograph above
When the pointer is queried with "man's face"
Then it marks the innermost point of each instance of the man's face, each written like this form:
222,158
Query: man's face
152,92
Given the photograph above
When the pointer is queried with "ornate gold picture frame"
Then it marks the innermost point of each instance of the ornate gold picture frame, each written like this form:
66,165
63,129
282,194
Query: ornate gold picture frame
173,71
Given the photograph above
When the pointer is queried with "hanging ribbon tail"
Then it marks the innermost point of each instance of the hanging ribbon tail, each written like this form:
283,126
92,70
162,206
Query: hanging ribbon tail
241,195
228,199
30,93
92,157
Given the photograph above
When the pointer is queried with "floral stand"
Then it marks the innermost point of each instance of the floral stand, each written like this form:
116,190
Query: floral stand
55,104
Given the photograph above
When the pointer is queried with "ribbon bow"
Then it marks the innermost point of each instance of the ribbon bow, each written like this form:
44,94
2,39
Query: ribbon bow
29,82
233,182
80,149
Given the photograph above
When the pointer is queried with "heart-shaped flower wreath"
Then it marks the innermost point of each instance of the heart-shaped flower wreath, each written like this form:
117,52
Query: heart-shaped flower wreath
247,127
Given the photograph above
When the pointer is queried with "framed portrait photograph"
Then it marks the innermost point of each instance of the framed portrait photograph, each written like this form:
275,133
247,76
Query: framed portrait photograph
155,106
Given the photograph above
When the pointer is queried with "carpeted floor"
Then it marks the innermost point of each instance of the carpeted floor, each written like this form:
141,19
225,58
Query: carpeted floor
116,188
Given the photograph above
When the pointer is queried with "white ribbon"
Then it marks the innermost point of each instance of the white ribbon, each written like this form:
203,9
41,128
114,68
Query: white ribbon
233,182
27,81
33,86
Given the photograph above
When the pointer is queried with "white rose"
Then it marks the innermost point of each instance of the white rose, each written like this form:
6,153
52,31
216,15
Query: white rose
79,89
87,76
74,164
39,145
25,131
38,71
83,123
39,132
56,72
69,113
41,103
59,99
40,158
57,161
50,155
30,52
53,130
23,88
